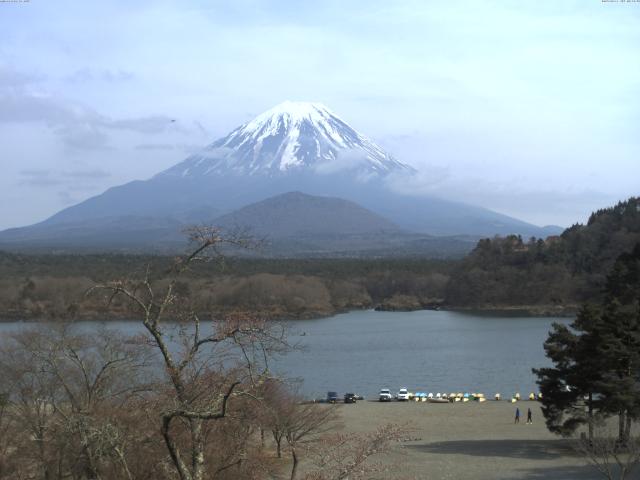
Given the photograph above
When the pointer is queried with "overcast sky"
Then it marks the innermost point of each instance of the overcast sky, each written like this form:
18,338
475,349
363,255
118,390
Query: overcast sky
530,108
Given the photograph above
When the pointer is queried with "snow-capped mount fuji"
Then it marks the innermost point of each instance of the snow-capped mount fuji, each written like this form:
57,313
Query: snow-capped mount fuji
294,147
292,137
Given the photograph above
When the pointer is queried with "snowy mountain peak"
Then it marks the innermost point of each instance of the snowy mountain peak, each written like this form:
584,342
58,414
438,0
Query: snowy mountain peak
295,111
292,137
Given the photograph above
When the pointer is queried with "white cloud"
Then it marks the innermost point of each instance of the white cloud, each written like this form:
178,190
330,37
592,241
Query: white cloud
345,160
77,125
99,75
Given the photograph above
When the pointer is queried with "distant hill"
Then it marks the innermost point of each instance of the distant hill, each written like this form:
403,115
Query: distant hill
296,214
293,224
563,270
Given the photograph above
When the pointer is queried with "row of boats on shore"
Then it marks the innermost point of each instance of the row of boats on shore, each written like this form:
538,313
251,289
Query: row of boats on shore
404,395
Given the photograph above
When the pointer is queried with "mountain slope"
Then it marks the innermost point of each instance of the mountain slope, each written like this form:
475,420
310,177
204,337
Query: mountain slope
125,233
297,214
292,224
295,146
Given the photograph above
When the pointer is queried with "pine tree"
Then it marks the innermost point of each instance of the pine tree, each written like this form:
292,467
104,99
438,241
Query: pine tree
569,399
620,345
596,359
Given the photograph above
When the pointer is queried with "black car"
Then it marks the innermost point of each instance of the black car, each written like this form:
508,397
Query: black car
350,398
332,397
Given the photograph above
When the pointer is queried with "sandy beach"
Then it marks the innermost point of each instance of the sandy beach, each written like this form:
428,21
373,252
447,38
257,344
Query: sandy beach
470,440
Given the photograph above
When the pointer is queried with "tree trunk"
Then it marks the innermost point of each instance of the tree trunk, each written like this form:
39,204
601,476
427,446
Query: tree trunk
627,430
278,441
197,452
90,467
294,467
174,451
123,463
590,414
46,475
621,425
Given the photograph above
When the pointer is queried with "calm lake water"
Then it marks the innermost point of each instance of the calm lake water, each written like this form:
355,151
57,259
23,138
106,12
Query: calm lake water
431,351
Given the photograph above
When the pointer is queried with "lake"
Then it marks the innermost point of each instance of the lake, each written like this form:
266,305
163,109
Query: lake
431,351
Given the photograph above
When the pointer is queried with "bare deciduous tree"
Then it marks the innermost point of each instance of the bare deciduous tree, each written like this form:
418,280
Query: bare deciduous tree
7,449
64,395
303,423
185,399
206,366
613,459
348,456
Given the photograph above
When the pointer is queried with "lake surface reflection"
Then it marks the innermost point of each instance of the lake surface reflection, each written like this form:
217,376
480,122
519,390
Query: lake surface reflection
431,351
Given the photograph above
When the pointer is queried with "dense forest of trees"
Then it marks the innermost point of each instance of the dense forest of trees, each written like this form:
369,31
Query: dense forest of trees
51,286
552,275
559,271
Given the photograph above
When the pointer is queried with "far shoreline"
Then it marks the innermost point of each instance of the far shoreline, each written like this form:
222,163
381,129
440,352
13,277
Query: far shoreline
541,311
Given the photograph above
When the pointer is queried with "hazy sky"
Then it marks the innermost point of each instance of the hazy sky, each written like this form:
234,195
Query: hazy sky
531,108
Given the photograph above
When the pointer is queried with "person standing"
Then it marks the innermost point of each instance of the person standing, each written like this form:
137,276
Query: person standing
529,419
517,420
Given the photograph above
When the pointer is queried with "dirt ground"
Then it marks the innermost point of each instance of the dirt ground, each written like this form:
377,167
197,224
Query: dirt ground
470,440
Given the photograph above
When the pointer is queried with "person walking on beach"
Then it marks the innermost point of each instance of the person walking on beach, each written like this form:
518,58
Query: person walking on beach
517,415
529,419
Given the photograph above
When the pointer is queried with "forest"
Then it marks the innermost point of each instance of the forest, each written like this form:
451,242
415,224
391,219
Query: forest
553,275
560,271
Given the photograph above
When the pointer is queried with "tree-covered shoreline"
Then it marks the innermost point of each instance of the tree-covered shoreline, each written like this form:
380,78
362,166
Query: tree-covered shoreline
551,276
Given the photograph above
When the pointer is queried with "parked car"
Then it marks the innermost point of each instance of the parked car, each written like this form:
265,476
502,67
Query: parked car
350,398
332,397
403,395
385,395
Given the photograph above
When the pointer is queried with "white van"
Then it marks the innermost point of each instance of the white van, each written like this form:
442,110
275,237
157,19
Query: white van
403,395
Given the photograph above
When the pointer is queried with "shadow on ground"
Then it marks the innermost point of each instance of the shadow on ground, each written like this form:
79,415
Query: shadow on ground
528,449
585,472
